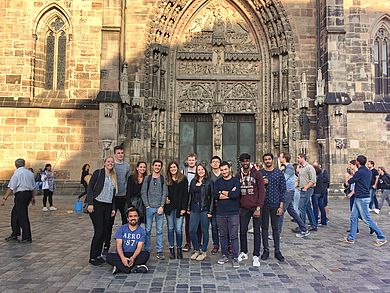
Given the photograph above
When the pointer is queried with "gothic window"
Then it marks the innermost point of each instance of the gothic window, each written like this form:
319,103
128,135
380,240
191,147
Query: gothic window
381,56
55,49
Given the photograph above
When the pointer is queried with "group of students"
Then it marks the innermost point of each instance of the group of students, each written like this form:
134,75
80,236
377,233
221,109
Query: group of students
191,199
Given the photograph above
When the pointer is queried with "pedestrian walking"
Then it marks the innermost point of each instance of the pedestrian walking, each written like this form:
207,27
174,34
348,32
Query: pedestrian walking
318,196
22,185
384,186
373,187
84,180
362,180
306,182
48,187
290,177
101,207
175,208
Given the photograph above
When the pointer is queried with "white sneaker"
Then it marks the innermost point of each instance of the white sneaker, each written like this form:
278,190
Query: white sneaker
376,211
370,210
256,261
45,209
52,208
242,256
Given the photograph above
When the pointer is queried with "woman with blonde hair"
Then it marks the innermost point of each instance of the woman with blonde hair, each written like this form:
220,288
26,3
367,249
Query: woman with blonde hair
176,207
101,206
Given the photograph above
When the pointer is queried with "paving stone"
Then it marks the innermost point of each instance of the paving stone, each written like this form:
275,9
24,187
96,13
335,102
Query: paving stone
57,261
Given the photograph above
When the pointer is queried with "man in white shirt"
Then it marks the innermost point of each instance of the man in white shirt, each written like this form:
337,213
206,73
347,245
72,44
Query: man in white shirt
22,185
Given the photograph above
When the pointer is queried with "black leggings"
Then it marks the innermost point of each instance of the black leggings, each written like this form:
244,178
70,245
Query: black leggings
47,193
101,219
114,260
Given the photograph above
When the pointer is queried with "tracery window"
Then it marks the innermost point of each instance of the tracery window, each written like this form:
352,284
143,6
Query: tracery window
55,49
381,58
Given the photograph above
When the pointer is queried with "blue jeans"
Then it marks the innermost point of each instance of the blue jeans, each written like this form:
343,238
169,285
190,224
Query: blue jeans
297,195
38,186
360,207
289,207
151,213
318,203
202,219
373,199
305,207
228,231
175,225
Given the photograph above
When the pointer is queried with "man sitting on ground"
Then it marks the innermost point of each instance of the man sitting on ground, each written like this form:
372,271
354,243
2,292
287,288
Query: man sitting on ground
130,239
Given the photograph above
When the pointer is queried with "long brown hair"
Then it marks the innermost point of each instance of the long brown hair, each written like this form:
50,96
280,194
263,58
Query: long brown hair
137,174
179,176
206,174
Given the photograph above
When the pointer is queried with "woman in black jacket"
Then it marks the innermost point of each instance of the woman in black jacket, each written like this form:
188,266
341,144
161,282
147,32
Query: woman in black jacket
101,206
176,207
318,197
85,176
200,208
133,193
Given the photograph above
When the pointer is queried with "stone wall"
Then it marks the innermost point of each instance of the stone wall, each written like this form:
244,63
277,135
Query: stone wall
64,138
369,134
22,35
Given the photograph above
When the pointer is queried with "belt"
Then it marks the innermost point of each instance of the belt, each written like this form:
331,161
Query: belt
22,191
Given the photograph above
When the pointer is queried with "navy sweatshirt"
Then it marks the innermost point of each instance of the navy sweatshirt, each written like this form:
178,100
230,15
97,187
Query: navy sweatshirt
231,206
275,189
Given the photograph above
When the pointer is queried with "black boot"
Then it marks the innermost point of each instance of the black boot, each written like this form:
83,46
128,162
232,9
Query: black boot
172,251
179,253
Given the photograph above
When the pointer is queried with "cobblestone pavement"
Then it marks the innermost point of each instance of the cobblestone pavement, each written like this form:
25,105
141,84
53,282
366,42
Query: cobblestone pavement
57,260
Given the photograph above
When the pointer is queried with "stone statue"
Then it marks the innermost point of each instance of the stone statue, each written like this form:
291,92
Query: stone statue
136,125
161,131
218,122
154,127
276,127
304,123
285,125
155,78
321,122
123,121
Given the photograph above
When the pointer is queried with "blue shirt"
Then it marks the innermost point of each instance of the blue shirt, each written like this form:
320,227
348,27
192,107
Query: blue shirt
130,239
362,180
275,189
289,175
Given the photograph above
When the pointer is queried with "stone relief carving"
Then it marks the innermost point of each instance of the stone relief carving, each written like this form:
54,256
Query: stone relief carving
195,97
321,122
275,87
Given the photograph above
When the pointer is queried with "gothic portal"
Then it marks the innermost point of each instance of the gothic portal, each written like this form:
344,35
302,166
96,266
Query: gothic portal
219,84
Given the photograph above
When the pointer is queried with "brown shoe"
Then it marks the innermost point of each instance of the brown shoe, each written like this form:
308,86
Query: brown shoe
186,247
215,249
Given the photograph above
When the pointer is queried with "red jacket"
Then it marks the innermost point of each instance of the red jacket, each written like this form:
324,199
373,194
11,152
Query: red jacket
252,189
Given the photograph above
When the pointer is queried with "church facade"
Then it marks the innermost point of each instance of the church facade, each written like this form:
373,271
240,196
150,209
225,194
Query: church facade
214,77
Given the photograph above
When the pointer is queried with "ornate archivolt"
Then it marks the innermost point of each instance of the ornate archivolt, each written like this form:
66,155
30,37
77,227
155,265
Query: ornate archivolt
220,53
